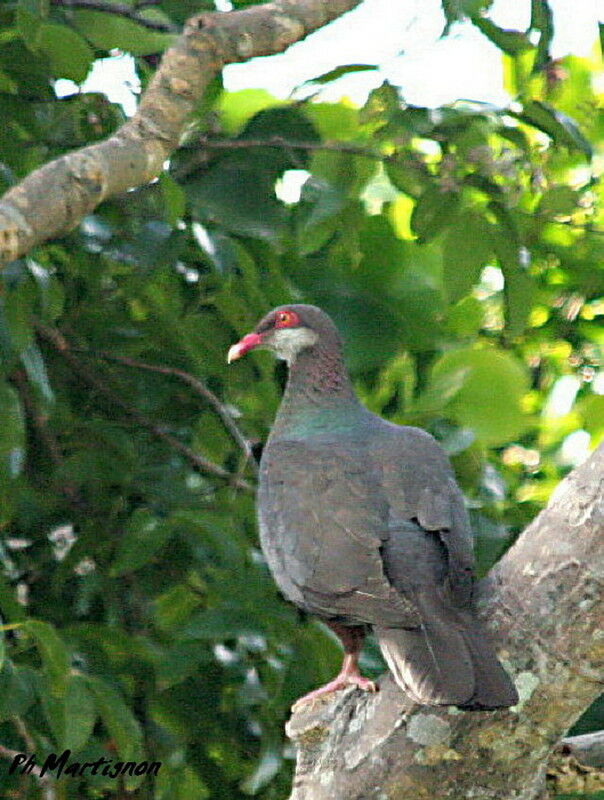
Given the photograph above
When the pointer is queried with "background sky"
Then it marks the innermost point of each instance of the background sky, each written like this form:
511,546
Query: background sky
402,37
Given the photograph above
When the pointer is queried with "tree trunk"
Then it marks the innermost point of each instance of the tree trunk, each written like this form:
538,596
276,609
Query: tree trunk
545,606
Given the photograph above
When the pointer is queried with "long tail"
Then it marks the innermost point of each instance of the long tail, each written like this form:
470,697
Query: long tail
448,661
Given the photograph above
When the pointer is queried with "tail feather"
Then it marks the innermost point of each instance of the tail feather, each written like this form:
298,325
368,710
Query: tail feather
494,687
448,661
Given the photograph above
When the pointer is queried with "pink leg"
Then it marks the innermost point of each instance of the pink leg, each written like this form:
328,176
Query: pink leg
349,675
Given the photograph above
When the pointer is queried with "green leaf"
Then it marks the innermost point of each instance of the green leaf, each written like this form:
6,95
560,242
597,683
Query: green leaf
80,713
240,197
180,10
52,298
180,783
40,8
16,690
28,24
581,796
519,293
488,401
174,607
433,211
11,608
53,706
183,660
174,198
383,103
334,120
457,10
466,317
511,42
519,288
12,433
120,723
69,54
224,623
441,390
16,309
542,20
144,536
32,360
53,653
559,200
338,72
236,108
562,129
466,249
591,409
408,173
109,31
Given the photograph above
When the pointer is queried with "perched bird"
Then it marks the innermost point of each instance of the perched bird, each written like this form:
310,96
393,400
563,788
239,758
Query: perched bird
363,525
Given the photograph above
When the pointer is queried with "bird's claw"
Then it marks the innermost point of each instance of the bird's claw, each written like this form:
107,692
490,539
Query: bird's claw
340,682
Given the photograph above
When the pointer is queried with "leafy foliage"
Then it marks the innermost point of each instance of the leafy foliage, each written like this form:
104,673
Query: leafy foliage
459,250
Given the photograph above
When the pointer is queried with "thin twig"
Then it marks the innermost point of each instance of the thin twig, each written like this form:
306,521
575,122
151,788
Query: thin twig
204,143
330,145
63,347
119,9
24,734
290,144
198,387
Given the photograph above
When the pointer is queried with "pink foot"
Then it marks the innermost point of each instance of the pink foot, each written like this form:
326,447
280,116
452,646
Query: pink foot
349,676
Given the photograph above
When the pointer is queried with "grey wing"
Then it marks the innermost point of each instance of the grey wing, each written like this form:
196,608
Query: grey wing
322,527
420,488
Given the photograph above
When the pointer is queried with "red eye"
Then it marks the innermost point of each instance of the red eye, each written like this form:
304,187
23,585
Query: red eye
286,319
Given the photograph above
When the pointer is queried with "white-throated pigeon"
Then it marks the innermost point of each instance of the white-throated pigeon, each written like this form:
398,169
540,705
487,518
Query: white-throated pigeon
362,524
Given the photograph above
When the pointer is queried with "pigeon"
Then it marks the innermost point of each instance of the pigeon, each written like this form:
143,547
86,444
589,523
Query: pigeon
363,525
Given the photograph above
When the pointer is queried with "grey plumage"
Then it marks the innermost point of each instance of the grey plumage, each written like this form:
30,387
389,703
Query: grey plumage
362,524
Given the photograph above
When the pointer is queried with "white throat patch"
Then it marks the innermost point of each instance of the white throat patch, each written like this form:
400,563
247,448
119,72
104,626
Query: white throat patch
287,342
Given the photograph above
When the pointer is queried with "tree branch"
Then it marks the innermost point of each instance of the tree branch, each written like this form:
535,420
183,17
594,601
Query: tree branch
198,461
205,143
198,387
545,606
116,8
53,199
290,144
588,749
577,766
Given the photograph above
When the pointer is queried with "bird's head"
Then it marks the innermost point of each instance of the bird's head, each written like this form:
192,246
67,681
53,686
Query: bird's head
286,331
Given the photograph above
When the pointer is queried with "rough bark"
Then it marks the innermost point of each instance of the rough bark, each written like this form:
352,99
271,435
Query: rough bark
54,198
545,606
577,765
587,749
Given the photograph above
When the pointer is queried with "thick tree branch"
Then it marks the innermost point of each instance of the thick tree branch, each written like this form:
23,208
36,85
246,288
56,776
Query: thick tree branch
53,199
545,605
577,765
587,749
